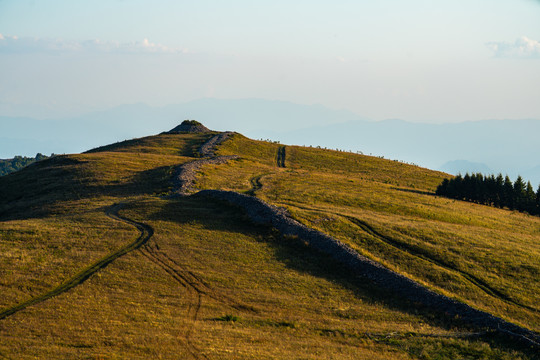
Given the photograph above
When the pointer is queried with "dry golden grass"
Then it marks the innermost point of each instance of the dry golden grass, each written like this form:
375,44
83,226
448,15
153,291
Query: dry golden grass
258,295
457,241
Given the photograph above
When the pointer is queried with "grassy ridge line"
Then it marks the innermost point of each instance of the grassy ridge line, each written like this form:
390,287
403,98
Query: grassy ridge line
112,212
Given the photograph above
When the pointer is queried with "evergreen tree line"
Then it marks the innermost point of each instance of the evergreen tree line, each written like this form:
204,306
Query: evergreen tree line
493,190
18,162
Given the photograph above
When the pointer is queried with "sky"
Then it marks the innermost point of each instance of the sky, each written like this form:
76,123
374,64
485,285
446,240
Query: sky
422,61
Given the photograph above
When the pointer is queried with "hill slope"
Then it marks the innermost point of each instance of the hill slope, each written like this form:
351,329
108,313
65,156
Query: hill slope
96,253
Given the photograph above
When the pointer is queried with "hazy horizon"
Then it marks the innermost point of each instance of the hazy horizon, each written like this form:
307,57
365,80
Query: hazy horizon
310,62
38,113
507,146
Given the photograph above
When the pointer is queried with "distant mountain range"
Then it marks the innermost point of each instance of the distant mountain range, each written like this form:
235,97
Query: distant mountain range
507,146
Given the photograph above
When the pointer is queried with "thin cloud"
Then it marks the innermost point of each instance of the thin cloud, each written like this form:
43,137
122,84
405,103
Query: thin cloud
521,48
14,44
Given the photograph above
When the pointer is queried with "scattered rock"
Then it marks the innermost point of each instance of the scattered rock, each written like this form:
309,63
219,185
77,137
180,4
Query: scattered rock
208,149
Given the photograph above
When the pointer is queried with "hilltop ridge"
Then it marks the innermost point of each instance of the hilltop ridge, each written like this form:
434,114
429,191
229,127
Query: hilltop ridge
189,276
428,145
189,126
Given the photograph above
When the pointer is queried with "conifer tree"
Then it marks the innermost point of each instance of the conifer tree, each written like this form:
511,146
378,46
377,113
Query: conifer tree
519,194
538,201
442,189
480,189
454,187
530,199
491,190
508,193
499,190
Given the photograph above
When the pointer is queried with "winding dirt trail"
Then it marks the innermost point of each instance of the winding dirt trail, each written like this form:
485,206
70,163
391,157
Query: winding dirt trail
256,183
195,288
185,278
425,256
422,254
281,156
194,298
84,274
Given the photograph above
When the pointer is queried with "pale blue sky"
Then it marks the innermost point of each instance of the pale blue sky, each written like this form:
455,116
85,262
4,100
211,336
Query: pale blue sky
415,60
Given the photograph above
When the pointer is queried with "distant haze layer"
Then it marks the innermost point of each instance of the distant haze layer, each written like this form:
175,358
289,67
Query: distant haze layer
507,146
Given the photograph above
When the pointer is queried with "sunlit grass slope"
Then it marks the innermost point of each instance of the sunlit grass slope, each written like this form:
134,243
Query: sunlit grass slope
386,210
208,284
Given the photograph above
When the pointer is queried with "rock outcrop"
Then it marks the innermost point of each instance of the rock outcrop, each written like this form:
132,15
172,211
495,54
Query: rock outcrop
189,126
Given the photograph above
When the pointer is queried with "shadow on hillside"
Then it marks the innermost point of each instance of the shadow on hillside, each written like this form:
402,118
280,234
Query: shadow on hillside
295,254
32,191
414,191
210,214
52,189
148,182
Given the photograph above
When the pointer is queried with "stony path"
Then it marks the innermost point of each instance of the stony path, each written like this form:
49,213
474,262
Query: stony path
208,149
265,214
186,174
420,253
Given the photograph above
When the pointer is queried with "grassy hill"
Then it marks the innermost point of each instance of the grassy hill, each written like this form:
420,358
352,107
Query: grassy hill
98,262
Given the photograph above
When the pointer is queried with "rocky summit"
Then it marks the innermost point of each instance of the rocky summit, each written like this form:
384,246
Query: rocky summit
189,126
